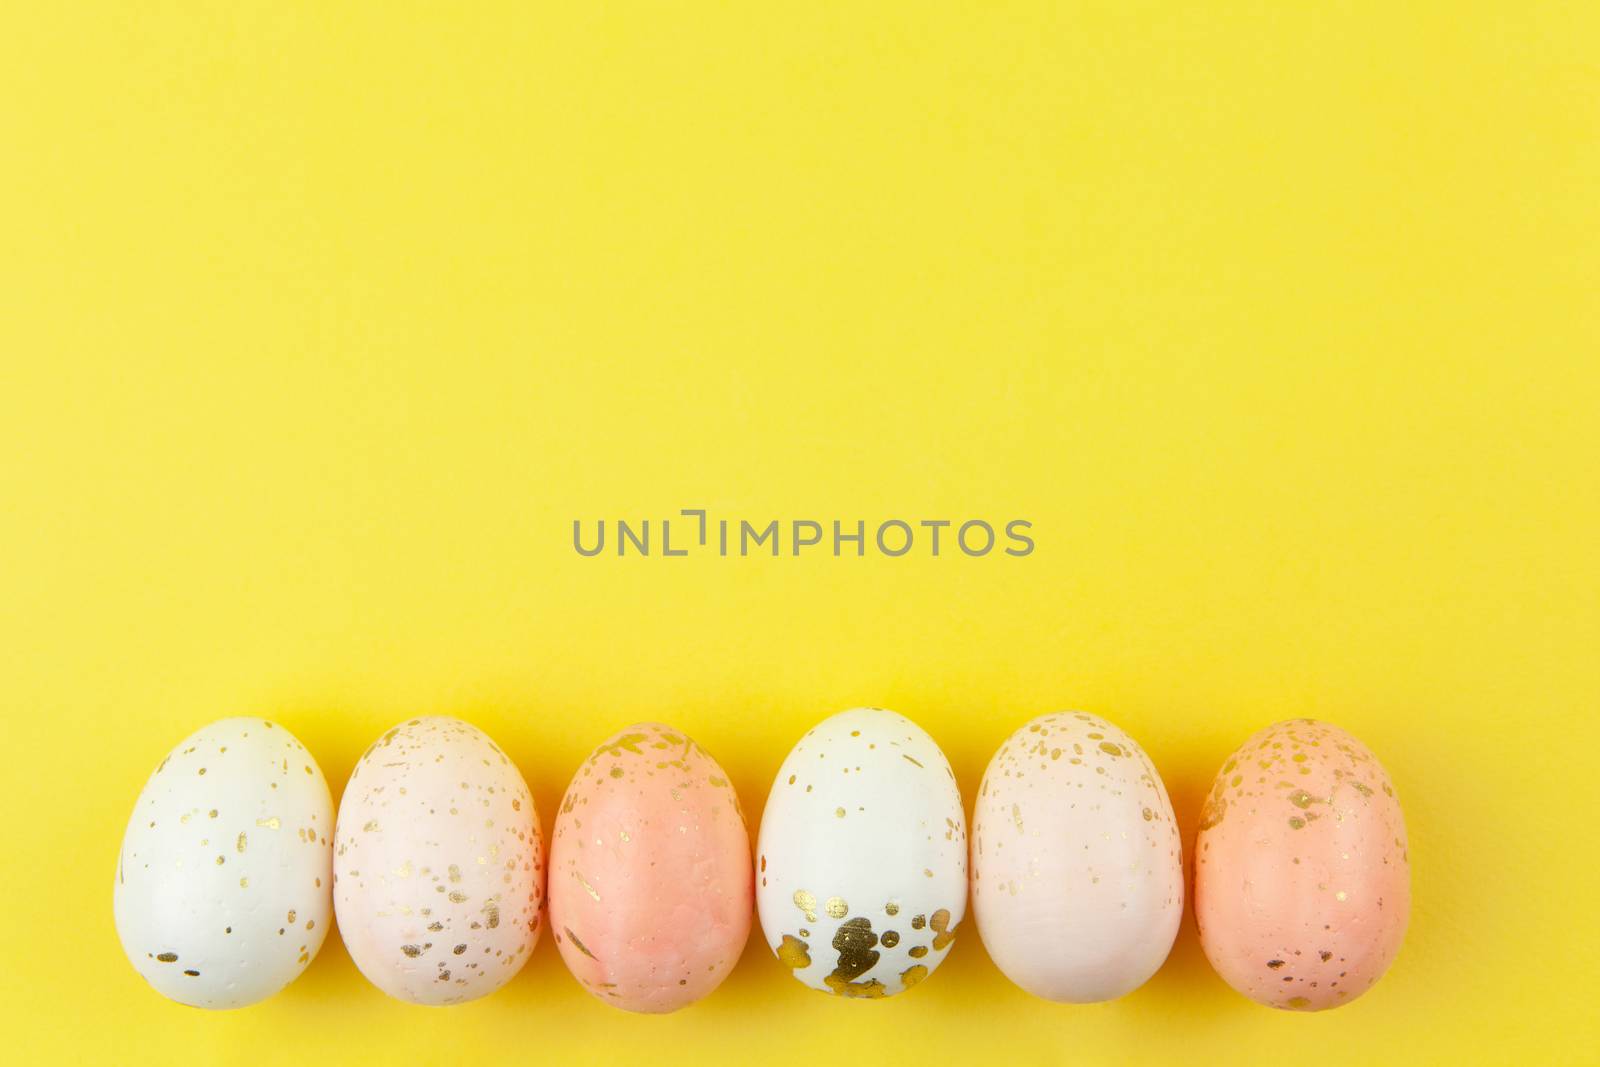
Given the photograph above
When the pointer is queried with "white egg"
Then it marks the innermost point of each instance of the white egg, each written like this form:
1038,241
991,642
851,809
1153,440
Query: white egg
862,860
224,880
1077,865
439,864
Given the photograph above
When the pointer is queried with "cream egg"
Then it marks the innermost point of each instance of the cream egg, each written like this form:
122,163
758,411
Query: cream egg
438,864
651,888
1302,871
1077,863
861,876
223,885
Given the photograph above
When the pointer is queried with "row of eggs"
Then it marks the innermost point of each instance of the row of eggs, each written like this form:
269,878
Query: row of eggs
233,866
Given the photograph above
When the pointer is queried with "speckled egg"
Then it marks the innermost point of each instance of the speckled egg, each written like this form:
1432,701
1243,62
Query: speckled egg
1077,864
651,889
861,872
438,864
1302,875
223,885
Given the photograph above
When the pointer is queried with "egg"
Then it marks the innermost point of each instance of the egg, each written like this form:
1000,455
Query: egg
1077,863
223,884
438,864
1302,872
651,885
862,859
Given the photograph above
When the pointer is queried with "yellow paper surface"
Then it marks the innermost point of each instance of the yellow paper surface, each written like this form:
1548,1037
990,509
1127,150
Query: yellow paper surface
321,323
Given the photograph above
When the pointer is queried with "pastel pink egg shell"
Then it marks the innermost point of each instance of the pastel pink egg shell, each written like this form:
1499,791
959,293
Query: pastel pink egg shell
1302,872
651,885
438,864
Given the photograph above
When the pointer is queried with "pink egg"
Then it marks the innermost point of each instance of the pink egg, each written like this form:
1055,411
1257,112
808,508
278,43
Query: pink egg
651,882
1302,876
438,865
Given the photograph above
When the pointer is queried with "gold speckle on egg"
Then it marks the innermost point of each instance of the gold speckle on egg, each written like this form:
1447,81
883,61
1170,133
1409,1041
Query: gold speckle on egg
793,953
856,943
242,843
1213,811
807,903
625,743
837,908
579,945
940,925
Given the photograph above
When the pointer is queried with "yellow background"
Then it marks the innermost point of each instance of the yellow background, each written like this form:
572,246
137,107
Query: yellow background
320,323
